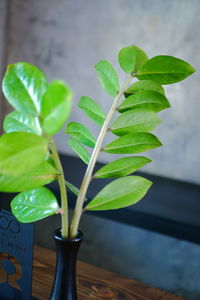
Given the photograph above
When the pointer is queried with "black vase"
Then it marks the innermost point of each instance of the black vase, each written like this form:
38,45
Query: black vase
64,286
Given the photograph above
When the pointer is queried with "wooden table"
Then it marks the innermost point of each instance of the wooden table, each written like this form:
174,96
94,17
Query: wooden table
93,283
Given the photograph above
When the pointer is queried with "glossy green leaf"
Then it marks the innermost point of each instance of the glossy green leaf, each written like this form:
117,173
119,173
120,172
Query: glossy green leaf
92,110
122,167
79,149
34,205
145,99
120,193
108,77
133,143
24,86
21,152
56,107
126,59
136,120
42,175
144,85
73,188
131,58
16,121
81,133
165,69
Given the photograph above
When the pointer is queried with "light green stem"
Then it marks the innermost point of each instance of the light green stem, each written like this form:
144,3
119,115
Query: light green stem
88,174
63,193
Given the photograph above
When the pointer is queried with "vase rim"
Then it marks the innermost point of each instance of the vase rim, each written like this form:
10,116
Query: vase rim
79,237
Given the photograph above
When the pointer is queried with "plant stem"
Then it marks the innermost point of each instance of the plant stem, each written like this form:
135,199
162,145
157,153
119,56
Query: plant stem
88,174
63,193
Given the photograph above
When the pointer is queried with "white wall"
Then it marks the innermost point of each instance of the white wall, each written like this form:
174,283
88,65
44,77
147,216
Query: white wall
66,38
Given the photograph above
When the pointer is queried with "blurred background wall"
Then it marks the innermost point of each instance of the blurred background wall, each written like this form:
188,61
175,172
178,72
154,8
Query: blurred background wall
66,38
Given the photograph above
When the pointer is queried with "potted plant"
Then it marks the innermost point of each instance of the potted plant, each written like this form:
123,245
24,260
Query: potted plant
29,159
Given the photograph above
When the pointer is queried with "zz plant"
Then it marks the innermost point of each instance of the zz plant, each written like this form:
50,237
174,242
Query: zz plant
28,156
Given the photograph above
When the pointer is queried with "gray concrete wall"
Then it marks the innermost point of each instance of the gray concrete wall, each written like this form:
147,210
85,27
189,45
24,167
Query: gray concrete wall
67,38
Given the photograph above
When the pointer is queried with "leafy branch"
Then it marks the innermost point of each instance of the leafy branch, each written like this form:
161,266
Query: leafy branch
28,156
88,174
133,126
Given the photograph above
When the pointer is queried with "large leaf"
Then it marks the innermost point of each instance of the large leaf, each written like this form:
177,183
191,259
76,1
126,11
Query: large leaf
165,69
92,110
16,121
73,188
131,58
122,167
42,175
79,149
108,77
145,99
144,85
21,152
136,120
24,86
34,205
81,133
133,143
56,107
120,193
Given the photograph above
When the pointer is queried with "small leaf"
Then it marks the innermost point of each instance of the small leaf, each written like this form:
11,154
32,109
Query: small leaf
92,110
108,77
145,99
16,121
56,106
21,152
126,59
131,58
81,133
144,85
34,205
24,86
133,143
120,193
122,167
165,69
42,175
136,120
73,188
79,149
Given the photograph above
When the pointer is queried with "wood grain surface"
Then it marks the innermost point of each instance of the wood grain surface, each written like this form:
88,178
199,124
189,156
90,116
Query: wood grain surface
92,282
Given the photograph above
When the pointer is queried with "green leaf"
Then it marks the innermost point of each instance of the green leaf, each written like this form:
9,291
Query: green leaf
108,77
92,110
120,193
16,121
144,85
136,120
34,205
165,69
21,152
73,188
131,58
145,99
122,167
133,143
56,107
81,133
126,59
42,175
79,149
24,86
